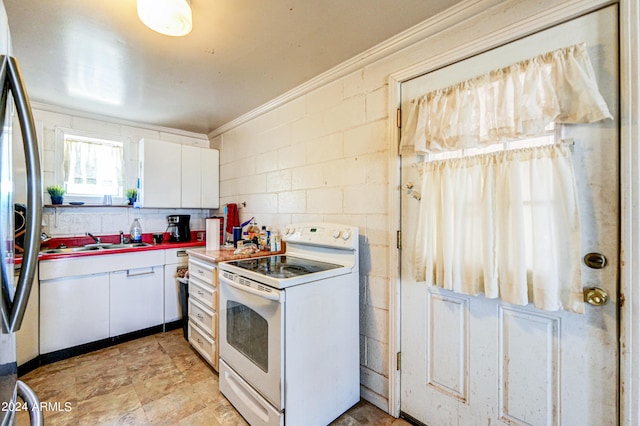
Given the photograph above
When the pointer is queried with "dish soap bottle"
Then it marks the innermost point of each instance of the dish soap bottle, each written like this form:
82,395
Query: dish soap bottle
136,231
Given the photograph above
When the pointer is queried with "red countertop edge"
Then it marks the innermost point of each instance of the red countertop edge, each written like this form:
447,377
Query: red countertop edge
114,239
162,246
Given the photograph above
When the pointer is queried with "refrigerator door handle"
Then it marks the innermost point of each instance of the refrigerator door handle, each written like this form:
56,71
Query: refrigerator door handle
34,194
33,403
6,271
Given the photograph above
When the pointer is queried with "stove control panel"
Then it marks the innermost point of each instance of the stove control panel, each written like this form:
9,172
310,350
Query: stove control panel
322,234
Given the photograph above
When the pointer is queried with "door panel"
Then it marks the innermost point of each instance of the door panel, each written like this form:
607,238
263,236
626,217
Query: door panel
470,360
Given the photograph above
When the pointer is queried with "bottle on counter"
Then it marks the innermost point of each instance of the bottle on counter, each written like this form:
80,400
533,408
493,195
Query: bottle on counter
268,245
274,240
263,238
136,231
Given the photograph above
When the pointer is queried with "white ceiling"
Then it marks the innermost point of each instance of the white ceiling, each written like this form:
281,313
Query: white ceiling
95,56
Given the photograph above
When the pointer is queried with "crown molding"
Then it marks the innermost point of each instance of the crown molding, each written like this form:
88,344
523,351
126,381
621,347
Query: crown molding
91,116
440,22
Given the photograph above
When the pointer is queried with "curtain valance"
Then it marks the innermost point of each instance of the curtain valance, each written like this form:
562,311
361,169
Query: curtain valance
515,102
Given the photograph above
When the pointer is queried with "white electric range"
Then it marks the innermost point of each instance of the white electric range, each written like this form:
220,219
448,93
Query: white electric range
289,328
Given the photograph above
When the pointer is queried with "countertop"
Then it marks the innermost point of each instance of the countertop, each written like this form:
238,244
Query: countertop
195,246
225,254
79,241
161,246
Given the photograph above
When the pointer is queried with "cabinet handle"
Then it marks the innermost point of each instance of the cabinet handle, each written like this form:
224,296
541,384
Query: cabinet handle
200,317
139,274
200,293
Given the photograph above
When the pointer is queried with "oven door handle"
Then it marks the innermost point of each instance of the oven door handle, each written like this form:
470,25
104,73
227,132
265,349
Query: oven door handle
277,295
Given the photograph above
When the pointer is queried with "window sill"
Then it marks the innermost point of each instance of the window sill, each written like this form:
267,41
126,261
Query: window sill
67,205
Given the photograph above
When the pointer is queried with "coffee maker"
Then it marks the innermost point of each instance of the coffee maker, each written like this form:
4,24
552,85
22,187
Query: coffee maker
178,228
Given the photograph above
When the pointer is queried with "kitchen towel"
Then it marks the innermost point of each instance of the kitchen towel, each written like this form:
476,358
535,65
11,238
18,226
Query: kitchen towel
232,217
213,234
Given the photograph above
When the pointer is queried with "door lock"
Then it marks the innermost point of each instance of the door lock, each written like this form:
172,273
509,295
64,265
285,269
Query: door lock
596,296
595,260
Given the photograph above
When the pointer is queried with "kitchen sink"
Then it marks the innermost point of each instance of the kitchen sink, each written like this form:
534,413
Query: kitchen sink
93,247
68,250
121,246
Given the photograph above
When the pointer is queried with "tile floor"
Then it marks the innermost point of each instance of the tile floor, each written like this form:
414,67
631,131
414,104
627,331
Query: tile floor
155,380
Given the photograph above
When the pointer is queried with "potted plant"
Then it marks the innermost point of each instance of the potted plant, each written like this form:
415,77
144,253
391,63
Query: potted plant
56,192
131,195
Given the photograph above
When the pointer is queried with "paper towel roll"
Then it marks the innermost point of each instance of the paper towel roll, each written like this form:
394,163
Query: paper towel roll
213,234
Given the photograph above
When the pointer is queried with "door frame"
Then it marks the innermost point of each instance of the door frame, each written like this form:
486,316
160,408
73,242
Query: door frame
629,14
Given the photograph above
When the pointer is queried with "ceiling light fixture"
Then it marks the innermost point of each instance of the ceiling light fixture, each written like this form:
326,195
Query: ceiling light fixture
169,17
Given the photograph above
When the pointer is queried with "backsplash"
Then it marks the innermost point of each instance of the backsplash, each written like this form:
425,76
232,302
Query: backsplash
77,221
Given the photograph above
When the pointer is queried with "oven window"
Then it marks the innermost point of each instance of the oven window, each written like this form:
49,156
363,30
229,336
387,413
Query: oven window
248,333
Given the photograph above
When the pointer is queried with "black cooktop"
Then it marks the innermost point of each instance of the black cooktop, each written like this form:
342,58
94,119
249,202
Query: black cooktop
283,266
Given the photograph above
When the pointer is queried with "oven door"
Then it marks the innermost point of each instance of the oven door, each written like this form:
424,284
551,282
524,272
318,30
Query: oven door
251,341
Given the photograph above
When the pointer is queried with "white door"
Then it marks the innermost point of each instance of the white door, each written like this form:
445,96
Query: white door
474,361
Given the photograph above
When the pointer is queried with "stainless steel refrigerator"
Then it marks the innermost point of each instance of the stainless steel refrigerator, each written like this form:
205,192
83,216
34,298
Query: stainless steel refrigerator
14,394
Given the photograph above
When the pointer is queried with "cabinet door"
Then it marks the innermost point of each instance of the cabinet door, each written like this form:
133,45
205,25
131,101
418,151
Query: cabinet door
210,178
73,311
191,176
160,169
135,299
200,177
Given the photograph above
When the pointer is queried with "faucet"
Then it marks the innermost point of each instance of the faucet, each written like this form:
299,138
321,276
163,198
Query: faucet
96,239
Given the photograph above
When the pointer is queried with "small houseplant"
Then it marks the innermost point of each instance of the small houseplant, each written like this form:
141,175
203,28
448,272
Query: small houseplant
131,195
56,192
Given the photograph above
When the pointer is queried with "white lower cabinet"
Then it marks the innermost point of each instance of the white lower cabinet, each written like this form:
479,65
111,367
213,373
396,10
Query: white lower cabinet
86,299
73,311
203,309
135,299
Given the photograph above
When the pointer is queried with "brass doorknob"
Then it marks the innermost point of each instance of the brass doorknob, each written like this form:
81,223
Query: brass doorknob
596,296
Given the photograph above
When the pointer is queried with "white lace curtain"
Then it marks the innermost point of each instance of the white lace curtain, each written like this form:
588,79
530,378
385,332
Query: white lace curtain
505,224
93,168
511,103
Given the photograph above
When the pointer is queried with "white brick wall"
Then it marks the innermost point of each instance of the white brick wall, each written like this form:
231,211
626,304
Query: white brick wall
324,156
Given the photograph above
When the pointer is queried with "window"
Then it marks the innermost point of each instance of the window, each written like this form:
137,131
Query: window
504,222
92,167
552,134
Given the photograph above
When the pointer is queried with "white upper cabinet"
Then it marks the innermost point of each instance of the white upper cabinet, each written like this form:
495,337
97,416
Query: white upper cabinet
200,177
210,178
191,184
159,173
178,176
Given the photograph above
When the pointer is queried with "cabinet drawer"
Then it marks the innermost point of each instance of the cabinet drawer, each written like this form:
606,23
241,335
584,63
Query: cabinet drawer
176,256
203,343
206,319
202,270
204,293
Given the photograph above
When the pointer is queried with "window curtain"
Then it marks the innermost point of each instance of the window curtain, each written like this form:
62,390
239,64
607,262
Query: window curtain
93,163
505,223
515,102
